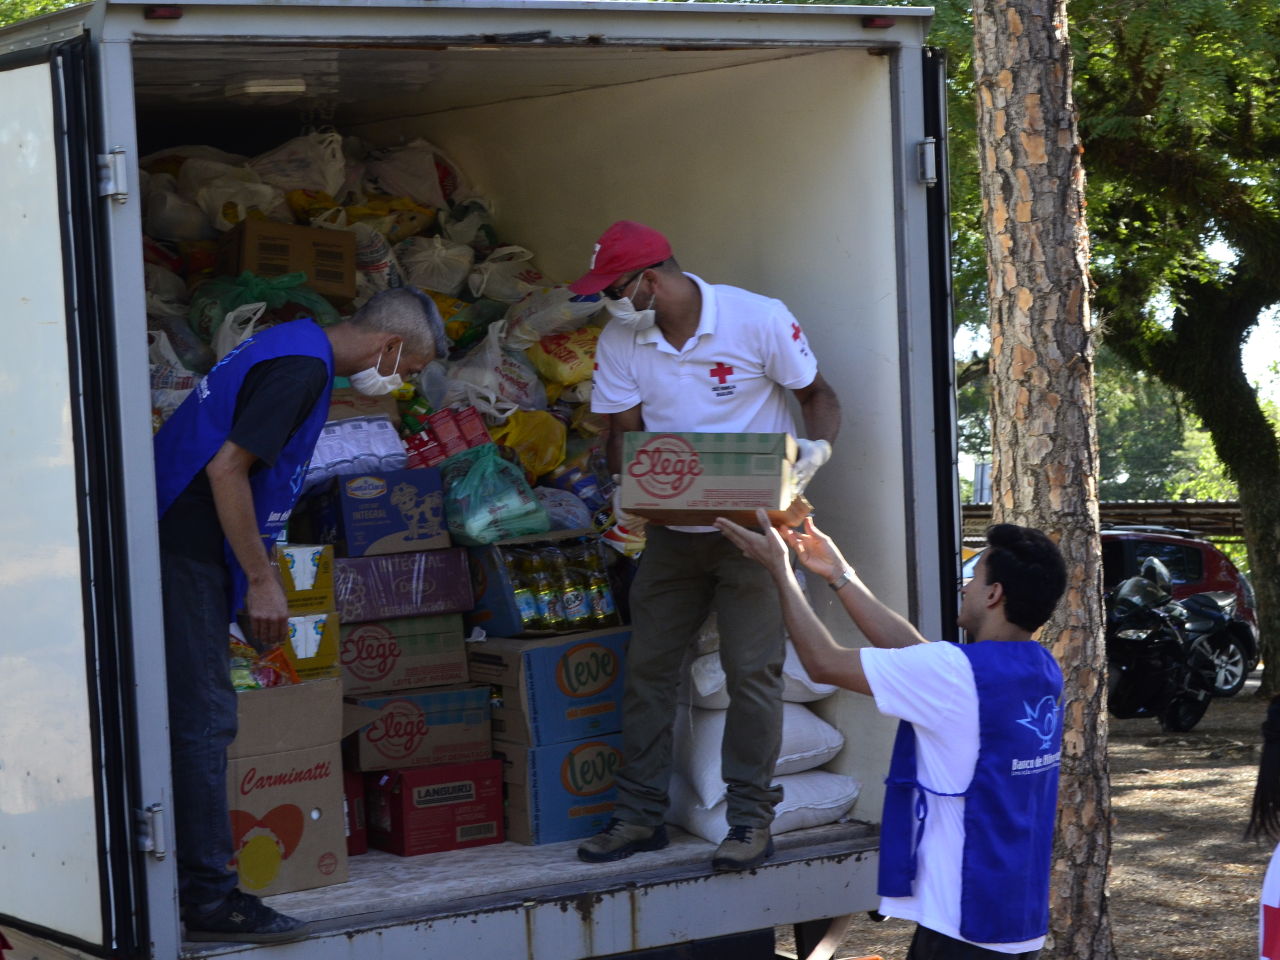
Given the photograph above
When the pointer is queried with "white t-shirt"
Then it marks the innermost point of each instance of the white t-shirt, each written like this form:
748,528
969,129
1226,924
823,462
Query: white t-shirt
931,686
1269,910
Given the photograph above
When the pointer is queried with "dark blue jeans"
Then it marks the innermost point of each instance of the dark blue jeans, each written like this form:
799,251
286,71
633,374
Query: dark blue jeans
202,723
928,944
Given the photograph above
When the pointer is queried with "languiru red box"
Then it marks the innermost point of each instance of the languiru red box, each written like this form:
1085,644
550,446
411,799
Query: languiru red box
474,432
437,808
403,585
353,808
445,429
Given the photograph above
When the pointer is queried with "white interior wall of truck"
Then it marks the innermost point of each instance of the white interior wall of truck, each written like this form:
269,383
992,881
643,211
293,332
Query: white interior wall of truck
50,872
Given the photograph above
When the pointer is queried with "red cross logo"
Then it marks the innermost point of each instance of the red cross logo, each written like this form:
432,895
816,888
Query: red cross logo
795,331
721,372
1271,932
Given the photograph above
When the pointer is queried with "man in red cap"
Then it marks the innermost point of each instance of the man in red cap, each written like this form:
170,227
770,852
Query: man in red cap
680,354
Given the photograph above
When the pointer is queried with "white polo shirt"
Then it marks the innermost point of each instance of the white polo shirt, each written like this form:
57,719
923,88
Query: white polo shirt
730,377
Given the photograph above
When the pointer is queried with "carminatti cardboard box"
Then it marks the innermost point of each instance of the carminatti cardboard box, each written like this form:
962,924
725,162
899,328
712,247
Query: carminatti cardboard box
556,689
692,478
284,788
400,511
431,809
403,585
413,728
402,653
562,791
307,573
270,249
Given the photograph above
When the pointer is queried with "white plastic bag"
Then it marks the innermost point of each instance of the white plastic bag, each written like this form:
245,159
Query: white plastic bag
167,215
236,326
435,263
494,380
408,171
227,193
377,268
313,161
171,382
506,275
545,311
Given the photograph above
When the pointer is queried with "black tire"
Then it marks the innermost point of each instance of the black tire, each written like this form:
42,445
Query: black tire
1230,665
1183,714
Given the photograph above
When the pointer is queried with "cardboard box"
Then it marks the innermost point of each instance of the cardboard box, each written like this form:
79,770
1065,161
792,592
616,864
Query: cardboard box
432,809
354,811
554,690
413,728
692,478
348,402
401,511
403,653
284,789
562,791
268,248
300,563
312,646
403,585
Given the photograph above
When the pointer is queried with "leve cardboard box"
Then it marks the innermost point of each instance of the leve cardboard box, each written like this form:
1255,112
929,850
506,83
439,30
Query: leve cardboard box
692,478
556,689
562,791
307,573
402,653
403,585
431,809
284,788
413,728
270,249
400,511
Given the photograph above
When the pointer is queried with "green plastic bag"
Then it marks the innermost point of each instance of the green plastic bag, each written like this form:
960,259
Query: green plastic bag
487,498
217,297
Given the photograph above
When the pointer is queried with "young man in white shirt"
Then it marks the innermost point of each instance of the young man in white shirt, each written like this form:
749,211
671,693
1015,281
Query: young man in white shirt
971,797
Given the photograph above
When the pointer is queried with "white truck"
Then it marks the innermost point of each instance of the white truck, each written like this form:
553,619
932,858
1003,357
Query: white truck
796,151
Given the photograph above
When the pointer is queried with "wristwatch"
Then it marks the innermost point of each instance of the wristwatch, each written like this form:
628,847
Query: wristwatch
845,576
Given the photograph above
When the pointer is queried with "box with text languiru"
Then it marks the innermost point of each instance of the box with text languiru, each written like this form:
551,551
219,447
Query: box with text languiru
555,689
403,585
562,791
432,809
692,478
284,788
412,728
402,653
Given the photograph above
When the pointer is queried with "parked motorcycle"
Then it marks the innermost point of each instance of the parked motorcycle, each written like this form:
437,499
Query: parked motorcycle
1213,630
1152,668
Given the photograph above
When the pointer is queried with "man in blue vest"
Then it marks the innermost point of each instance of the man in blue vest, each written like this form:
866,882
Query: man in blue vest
229,467
971,798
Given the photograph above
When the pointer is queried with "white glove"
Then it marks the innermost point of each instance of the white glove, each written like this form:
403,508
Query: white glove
813,454
628,521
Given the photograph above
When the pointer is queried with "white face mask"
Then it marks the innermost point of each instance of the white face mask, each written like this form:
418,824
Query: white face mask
625,312
373,383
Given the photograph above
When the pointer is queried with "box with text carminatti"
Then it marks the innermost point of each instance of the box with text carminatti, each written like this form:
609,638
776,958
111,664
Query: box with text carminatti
692,478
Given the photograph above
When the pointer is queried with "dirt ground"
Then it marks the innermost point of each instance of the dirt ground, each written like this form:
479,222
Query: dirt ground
1184,885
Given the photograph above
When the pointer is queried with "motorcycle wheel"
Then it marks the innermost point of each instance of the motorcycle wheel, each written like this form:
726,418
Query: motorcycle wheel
1183,714
1230,666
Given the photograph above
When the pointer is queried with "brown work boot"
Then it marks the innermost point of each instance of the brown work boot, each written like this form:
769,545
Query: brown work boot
620,839
743,848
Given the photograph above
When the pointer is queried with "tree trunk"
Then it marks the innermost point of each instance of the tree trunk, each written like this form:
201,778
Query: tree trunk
1044,442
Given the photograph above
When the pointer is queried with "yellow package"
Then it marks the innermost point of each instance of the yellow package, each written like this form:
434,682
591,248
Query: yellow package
396,218
565,358
537,437
447,305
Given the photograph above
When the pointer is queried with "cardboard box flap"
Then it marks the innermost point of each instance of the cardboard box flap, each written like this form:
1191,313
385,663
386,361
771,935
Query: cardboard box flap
278,719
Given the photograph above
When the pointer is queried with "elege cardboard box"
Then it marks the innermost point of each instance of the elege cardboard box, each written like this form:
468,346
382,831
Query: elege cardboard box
562,791
413,728
431,809
556,689
692,478
402,653
403,585
400,511
284,788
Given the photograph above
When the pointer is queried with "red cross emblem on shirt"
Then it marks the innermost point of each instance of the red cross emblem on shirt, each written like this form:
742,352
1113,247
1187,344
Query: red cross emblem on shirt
721,372
795,331
1271,932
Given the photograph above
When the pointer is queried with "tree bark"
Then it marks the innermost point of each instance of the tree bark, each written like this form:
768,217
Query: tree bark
1044,442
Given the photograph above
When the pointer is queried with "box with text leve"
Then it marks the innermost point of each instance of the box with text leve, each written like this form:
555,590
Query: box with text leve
554,689
413,728
432,809
562,791
692,478
284,788
402,653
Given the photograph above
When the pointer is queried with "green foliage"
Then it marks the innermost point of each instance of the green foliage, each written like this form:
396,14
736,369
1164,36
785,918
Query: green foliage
11,11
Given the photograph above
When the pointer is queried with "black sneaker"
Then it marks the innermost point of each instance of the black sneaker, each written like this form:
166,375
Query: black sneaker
242,918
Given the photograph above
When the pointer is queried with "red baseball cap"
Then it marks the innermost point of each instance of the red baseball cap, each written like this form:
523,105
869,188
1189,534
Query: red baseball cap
624,247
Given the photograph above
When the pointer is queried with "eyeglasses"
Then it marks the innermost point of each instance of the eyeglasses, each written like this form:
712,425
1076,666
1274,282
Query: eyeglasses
616,291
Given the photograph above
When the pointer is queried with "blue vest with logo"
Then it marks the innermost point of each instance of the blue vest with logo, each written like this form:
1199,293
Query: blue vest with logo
200,426
1010,805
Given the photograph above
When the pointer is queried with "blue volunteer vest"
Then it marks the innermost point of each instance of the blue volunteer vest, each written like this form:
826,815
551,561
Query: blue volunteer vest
1010,805
198,428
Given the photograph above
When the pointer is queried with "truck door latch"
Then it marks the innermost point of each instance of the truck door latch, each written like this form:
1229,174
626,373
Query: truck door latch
151,835
927,155
112,179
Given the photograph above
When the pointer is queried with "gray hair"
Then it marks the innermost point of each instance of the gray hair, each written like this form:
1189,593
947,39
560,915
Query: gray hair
410,315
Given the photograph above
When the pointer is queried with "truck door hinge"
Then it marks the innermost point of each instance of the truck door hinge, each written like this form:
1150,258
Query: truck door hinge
927,155
112,177
151,835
